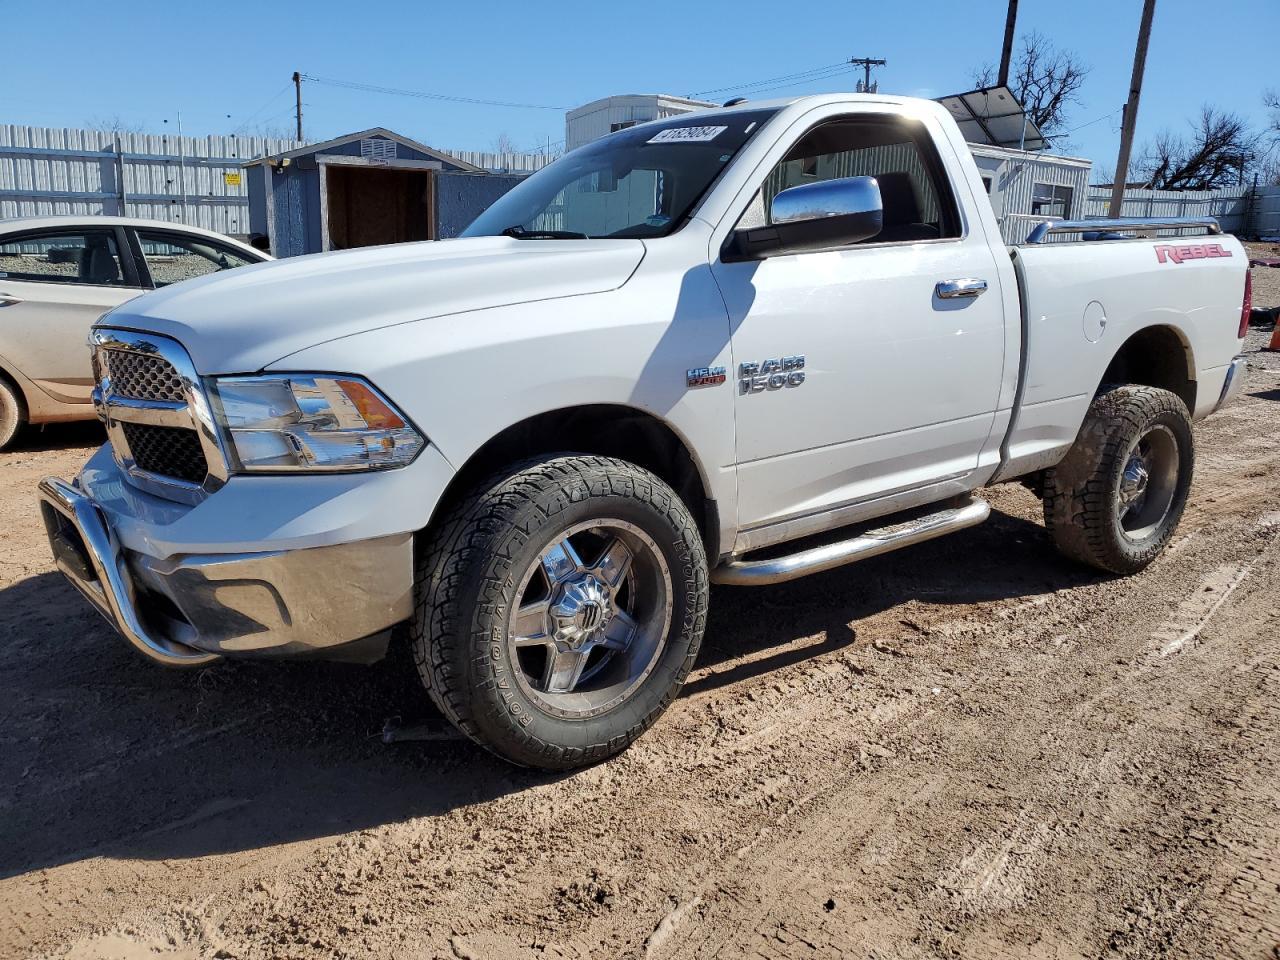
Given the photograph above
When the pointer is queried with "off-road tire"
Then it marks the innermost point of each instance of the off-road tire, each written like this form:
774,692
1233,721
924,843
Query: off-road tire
1080,493
465,584
13,413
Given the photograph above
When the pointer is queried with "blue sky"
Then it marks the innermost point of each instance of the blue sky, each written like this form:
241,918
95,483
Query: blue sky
227,66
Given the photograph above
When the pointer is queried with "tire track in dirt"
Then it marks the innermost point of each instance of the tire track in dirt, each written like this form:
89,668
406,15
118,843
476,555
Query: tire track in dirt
973,749
996,874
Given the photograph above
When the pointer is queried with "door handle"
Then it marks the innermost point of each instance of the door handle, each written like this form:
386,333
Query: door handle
964,287
8,298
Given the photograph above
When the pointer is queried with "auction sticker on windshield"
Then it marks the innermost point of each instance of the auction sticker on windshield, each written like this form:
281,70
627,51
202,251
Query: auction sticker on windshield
687,134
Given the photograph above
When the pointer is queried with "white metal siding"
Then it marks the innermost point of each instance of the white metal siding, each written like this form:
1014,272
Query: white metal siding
1266,213
50,171
1229,204
504,162
1014,174
594,120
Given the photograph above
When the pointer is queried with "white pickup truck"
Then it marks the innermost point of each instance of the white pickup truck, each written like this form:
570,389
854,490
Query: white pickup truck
737,346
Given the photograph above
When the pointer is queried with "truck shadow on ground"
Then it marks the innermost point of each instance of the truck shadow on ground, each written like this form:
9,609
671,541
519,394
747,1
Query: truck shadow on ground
59,436
106,755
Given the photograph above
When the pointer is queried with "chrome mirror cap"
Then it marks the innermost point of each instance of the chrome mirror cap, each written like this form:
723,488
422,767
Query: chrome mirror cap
847,196
826,215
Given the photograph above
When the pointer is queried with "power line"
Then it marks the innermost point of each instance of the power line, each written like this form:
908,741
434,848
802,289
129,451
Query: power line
423,95
1108,116
282,113
750,84
272,99
807,80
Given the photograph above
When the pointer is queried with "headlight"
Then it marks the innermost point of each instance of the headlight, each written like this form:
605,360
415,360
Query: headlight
311,422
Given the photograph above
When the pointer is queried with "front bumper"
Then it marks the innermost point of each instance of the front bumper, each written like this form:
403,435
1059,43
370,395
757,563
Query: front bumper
1233,385
334,601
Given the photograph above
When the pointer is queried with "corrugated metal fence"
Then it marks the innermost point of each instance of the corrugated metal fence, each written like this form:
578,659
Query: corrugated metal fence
1265,213
1231,205
504,162
46,171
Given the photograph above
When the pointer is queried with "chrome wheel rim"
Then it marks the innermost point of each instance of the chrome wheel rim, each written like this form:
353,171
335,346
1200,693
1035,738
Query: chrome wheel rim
1148,483
590,618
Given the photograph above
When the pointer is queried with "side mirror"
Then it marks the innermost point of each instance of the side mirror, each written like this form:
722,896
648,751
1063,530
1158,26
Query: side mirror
814,216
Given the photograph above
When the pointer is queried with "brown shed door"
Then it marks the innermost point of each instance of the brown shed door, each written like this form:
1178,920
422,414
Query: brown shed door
370,206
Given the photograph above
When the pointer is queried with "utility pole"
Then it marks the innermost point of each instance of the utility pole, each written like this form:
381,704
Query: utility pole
1131,110
866,63
297,87
1006,53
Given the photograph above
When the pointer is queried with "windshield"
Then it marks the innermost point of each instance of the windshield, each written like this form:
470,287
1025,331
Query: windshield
638,183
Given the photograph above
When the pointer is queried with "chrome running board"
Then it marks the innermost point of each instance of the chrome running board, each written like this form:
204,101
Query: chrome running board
869,543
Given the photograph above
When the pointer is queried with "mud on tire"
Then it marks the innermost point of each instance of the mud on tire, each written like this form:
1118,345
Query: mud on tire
1084,495
469,574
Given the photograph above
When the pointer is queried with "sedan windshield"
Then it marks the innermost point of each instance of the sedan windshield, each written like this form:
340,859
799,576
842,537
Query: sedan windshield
638,183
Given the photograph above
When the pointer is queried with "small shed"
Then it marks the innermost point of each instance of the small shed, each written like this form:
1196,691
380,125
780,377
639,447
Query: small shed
364,189
1031,187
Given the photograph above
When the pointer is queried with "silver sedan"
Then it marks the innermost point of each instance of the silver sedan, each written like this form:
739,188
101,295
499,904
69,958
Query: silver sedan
60,274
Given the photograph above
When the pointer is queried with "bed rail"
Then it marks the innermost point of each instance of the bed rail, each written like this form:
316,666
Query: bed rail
1123,225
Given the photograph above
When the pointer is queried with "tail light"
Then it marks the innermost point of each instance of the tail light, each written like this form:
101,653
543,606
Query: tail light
1247,307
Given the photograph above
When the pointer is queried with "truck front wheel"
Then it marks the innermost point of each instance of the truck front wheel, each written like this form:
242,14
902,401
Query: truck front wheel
1115,500
559,609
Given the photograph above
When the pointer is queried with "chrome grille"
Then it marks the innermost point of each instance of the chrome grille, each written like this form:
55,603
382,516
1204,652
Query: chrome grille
166,451
143,376
158,420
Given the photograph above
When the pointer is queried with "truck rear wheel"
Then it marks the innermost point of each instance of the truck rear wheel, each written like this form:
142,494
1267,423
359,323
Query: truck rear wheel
559,609
1115,500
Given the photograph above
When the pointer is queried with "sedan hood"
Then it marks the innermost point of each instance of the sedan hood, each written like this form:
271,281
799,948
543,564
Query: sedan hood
242,320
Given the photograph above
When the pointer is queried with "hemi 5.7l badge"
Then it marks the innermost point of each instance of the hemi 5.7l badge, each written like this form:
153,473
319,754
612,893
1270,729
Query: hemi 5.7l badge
705,376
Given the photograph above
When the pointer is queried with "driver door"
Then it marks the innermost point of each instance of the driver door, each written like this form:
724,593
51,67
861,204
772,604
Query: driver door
899,387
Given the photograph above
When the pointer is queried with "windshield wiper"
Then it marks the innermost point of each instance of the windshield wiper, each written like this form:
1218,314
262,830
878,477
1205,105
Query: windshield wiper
520,233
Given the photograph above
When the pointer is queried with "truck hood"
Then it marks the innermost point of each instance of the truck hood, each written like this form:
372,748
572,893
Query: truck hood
241,320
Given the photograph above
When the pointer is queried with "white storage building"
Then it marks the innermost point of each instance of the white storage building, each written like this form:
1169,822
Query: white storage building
610,114
1028,188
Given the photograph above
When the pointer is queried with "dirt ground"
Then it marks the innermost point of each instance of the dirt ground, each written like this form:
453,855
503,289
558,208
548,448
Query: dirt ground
1266,282
969,749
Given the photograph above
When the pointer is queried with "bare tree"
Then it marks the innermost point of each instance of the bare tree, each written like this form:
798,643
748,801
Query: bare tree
1220,150
503,143
1103,175
548,148
1045,80
114,125
1270,172
273,130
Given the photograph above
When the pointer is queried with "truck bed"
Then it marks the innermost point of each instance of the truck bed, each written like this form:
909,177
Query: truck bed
1082,301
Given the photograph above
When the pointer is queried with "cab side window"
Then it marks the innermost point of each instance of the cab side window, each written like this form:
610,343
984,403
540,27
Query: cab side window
917,199
82,257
